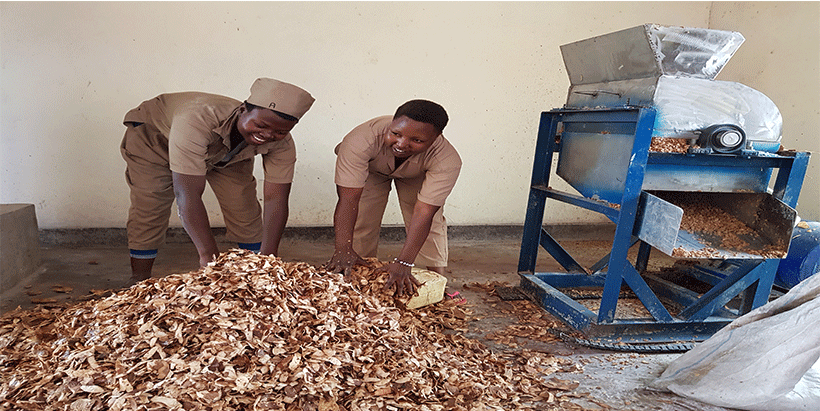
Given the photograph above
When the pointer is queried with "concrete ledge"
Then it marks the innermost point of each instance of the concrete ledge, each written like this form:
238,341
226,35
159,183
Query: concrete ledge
19,244
83,237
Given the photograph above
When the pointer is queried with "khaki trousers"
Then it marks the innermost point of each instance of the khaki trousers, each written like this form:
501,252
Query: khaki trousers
434,252
148,175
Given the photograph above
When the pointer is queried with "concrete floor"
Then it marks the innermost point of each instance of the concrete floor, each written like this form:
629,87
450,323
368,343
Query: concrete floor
608,380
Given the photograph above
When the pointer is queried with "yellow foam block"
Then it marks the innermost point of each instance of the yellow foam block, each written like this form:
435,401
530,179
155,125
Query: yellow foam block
431,290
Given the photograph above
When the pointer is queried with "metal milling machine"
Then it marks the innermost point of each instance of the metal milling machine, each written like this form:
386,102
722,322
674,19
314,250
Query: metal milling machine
681,163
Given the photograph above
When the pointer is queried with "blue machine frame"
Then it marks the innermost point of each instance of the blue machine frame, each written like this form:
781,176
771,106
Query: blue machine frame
703,314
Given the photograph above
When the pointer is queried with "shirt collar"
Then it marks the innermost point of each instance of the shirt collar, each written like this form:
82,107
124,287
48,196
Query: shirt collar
224,128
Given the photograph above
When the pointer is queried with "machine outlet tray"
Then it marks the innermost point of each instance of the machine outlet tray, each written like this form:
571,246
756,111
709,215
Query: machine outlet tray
710,225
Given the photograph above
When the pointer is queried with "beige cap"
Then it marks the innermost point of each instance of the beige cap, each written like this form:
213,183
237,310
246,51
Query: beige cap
280,96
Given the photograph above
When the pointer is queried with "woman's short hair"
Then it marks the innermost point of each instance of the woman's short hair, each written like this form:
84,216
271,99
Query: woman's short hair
424,111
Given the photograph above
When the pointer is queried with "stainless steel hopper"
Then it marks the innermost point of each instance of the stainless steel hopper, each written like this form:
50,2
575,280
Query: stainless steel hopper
672,69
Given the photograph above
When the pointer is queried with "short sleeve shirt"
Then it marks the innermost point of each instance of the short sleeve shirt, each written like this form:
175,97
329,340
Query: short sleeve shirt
363,151
198,126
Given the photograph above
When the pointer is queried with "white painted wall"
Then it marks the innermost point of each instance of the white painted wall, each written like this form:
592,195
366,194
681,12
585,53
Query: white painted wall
781,59
69,72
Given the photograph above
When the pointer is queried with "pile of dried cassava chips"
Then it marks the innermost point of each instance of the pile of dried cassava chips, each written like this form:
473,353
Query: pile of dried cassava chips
251,332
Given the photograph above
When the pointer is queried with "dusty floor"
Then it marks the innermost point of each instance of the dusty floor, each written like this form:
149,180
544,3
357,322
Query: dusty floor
607,380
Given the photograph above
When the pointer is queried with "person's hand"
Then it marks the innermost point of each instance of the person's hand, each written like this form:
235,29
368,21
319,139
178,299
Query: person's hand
344,260
205,258
401,278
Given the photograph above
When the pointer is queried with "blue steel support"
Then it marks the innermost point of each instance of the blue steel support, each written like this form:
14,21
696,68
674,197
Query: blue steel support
532,232
681,295
559,253
581,201
748,297
758,293
744,276
603,262
544,148
713,276
619,266
645,294
565,308
790,179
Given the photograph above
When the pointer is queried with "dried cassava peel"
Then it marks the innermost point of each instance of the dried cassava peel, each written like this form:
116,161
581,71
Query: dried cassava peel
250,332
669,145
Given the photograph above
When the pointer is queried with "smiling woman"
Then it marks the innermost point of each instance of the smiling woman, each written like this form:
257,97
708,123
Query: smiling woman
408,137
176,143
257,125
415,126
408,150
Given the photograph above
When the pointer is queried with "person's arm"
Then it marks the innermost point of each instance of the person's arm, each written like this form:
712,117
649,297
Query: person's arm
275,217
344,221
188,190
400,275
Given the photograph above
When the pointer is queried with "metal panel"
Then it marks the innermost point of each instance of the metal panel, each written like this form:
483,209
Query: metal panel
634,92
706,176
764,225
595,163
659,223
621,55
650,51
769,221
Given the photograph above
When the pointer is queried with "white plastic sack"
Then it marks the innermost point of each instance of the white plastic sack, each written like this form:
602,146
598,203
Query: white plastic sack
766,360
686,105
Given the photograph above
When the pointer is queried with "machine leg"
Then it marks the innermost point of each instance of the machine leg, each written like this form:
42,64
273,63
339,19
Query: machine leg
532,232
643,257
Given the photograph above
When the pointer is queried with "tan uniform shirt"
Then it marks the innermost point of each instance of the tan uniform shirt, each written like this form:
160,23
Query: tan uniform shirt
198,128
363,151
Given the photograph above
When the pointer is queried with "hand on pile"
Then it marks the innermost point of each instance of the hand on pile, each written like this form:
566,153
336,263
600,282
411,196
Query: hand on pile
207,257
343,262
401,278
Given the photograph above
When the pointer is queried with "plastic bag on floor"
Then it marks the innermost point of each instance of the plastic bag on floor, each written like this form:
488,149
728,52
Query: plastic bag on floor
764,360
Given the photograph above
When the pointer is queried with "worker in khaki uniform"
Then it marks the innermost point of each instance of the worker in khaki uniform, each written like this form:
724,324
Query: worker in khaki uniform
408,150
176,143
